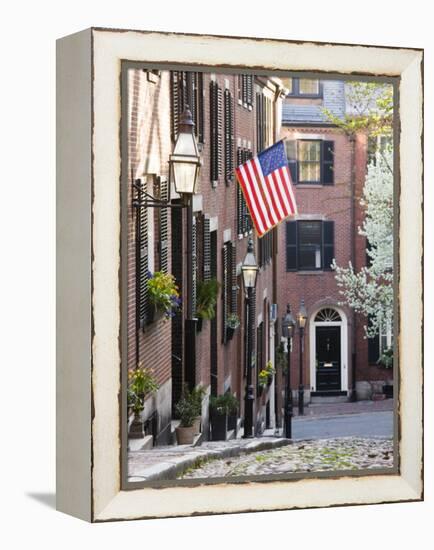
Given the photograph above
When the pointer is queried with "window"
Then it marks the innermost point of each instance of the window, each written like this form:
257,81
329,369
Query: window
186,88
380,343
229,285
265,246
264,127
244,221
304,87
378,145
245,90
311,161
309,245
216,131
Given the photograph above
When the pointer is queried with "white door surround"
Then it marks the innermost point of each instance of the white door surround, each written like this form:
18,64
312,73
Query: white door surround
343,324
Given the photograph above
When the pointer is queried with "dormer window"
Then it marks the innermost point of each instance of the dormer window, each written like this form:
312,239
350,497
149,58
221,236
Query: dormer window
304,87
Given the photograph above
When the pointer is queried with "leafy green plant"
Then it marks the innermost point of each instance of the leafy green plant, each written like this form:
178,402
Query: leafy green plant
163,293
141,383
207,292
186,409
233,321
386,359
265,374
224,404
197,395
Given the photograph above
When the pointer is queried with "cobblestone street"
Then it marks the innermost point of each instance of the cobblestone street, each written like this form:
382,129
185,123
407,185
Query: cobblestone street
303,456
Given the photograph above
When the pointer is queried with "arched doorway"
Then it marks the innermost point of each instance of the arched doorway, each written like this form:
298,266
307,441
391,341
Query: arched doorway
329,351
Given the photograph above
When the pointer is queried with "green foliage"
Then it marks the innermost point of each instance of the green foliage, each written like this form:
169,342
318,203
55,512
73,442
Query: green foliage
224,404
186,409
197,395
233,321
386,359
163,292
265,374
207,292
369,108
141,383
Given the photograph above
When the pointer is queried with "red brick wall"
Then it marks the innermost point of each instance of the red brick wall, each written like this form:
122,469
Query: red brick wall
148,150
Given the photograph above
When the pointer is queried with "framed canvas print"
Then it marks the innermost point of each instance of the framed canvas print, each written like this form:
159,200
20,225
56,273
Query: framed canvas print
239,274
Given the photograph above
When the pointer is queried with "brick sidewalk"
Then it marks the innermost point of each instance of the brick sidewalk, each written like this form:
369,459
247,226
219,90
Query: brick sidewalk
336,409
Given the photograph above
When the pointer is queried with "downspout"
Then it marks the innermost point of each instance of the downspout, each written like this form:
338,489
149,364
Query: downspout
352,138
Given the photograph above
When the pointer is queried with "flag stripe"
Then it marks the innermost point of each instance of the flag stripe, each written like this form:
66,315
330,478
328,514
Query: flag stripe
258,196
283,204
282,186
289,188
268,202
275,196
248,195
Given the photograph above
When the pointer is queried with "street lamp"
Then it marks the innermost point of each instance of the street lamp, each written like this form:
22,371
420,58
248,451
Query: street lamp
288,325
249,270
301,319
185,160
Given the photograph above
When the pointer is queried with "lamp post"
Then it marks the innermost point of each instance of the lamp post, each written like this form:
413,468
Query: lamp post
184,165
288,324
249,271
301,319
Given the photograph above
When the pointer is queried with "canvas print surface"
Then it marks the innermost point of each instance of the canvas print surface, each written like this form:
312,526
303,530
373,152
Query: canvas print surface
258,291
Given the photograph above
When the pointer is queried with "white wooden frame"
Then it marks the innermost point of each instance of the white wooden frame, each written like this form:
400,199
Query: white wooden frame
88,357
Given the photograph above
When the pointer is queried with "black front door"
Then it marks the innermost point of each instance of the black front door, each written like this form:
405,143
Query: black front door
328,359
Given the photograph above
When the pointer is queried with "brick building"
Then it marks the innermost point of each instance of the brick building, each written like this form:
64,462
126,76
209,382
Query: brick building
235,117
328,169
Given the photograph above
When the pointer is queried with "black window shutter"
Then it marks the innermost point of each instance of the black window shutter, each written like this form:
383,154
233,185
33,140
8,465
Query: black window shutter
291,246
327,154
200,108
219,131
141,259
253,324
213,130
229,136
175,102
225,285
291,154
163,247
233,275
194,266
259,356
206,254
249,94
328,231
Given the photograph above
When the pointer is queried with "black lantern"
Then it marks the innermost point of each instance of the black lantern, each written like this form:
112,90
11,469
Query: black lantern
185,159
288,324
249,268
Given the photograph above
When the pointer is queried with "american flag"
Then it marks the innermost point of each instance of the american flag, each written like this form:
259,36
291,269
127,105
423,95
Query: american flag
267,188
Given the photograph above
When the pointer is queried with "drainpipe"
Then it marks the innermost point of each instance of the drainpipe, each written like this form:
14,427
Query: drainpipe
352,138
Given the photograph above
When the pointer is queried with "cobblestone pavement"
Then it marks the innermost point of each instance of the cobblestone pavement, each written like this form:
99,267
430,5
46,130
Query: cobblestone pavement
347,453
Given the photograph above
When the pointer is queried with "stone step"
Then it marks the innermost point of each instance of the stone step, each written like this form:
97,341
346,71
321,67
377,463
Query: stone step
325,399
142,444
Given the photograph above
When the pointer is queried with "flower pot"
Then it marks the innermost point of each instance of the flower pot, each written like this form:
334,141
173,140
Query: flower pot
232,421
196,424
153,314
185,435
137,428
199,323
229,333
388,390
219,427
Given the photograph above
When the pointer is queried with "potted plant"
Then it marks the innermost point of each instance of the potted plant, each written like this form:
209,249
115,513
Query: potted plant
232,408
219,418
163,295
265,375
386,361
232,323
186,410
141,383
197,395
207,292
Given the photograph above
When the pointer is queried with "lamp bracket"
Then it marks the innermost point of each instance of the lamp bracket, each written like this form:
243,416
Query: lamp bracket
145,200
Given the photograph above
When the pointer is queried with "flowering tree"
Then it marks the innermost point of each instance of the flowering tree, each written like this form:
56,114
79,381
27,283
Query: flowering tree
370,290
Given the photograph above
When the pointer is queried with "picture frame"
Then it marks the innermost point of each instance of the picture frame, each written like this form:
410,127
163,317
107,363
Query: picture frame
89,346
